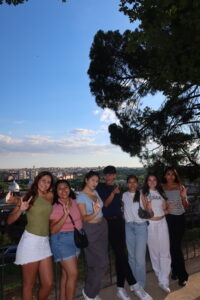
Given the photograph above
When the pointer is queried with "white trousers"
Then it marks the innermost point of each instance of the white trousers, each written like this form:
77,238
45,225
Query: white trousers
159,249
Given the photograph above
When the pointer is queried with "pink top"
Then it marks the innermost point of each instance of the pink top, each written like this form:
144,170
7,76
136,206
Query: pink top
57,213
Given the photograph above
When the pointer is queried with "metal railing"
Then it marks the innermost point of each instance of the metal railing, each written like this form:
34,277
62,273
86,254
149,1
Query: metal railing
10,274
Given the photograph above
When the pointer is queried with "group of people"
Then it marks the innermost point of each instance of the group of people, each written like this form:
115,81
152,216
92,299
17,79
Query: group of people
107,216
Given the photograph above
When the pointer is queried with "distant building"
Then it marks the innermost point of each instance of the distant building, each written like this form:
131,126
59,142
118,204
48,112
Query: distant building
66,176
22,174
29,183
33,173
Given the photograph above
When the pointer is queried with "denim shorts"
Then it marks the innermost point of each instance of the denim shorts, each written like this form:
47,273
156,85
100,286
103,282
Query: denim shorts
63,246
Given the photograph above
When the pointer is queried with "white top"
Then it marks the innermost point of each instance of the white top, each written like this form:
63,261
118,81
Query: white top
131,208
157,203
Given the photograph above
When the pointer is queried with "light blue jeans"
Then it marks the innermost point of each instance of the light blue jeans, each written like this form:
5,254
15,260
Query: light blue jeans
136,241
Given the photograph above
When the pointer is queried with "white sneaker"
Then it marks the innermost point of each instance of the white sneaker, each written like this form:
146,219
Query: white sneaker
164,287
98,297
121,293
86,297
142,295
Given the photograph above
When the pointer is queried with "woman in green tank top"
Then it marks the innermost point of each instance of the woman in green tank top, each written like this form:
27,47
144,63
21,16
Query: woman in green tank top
33,251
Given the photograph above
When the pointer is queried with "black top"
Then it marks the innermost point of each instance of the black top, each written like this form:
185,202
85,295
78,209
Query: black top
114,208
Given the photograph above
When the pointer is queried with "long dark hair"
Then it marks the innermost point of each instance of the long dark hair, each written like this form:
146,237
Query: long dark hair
72,195
145,189
88,176
177,178
33,191
136,197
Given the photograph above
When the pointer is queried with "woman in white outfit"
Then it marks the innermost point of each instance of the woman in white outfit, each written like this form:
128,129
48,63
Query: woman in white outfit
158,236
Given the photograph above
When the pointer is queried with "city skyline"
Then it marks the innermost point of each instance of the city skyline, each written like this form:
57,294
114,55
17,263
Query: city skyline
48,116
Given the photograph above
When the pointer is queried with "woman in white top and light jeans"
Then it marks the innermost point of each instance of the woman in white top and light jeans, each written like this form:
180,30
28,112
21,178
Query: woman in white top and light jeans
136,231
158,235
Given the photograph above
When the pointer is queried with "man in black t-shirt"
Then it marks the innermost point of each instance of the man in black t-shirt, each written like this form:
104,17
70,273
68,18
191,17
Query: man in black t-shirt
111,196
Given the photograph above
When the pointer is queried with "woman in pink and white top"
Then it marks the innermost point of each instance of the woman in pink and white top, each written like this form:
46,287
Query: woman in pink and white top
62,237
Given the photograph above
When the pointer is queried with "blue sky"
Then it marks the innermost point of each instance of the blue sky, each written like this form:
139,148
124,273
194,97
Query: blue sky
47,115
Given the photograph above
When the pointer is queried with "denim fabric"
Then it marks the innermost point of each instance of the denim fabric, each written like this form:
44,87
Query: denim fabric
63,246
136,241
116,235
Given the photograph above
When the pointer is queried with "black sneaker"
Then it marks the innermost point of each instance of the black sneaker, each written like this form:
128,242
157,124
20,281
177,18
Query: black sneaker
182,283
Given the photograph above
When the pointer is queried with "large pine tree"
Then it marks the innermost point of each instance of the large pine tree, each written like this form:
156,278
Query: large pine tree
160,55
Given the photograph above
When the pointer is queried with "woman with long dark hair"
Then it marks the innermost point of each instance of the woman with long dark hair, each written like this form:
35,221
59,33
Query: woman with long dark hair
158,236
96,254
62,236
177,198
33,251
136,236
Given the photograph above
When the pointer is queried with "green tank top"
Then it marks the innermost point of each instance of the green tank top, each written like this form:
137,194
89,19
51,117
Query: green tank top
38,217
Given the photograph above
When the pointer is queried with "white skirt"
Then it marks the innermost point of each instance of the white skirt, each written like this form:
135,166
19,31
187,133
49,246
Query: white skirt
32,248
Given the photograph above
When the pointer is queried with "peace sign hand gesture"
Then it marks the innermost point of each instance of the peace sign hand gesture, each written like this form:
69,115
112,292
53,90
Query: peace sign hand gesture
66,209
148,204
183,192
24,205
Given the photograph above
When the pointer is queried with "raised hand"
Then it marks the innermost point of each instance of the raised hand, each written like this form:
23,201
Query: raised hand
183,192
10,198
96,208
116,190
148,204
24,205
66,209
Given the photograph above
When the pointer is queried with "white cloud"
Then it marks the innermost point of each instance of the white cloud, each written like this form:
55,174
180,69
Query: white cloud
18,122
104,127
108,116
83,132
96,112
36,144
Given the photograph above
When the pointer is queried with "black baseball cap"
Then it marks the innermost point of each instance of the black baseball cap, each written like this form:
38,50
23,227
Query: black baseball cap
109,170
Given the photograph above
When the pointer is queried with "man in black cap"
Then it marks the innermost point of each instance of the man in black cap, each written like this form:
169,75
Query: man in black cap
111,196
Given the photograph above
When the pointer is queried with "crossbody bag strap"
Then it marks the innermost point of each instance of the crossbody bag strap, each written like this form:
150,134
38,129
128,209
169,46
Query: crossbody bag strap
72,220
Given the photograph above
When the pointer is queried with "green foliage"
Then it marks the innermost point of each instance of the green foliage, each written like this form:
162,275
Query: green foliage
4,185
160,55
192,235
4,239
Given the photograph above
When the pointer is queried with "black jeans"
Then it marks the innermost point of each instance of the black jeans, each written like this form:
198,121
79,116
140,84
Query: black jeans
116,235
176,225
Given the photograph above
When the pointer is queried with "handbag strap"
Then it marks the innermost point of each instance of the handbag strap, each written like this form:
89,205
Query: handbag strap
136,197
72,220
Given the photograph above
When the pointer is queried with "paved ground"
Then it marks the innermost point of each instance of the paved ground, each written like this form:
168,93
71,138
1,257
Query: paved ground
190,292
